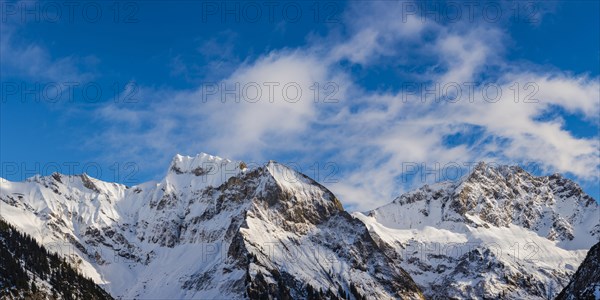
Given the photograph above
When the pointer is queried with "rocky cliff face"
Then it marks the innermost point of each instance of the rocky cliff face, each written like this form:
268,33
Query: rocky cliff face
212,228
585,284
497,233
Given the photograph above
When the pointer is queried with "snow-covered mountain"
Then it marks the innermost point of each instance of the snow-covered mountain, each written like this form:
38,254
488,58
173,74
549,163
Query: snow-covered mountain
212,228
586,281
499,232
28,271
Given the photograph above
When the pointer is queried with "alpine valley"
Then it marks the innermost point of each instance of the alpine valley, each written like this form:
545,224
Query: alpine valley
214,228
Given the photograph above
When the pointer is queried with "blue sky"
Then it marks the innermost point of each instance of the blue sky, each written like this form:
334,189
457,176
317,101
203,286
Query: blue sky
115,90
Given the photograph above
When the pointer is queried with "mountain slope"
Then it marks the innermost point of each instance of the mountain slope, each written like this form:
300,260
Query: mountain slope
27,270
211,228
585,284
497,233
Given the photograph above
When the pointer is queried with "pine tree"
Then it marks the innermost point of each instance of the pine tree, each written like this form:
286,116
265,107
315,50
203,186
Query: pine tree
20,254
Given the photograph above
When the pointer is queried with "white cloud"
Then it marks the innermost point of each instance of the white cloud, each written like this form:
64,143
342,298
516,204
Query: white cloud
277,100
371,135
377,29
33,61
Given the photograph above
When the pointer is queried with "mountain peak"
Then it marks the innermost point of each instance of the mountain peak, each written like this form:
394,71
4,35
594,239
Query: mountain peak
493,170
274,232
204,164
291,181
198,164
499,195
201,171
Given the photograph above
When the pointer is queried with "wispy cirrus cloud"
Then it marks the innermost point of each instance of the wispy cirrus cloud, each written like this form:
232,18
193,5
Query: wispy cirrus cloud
372,134
33,61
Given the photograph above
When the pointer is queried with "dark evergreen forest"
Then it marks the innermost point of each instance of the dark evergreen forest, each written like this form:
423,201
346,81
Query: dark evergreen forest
24,264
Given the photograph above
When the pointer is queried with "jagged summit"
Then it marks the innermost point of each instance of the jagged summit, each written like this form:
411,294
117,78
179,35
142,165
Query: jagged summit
211,228
199,172
493,171
198,165
498,232
488,187
291,180
214,227
553,206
